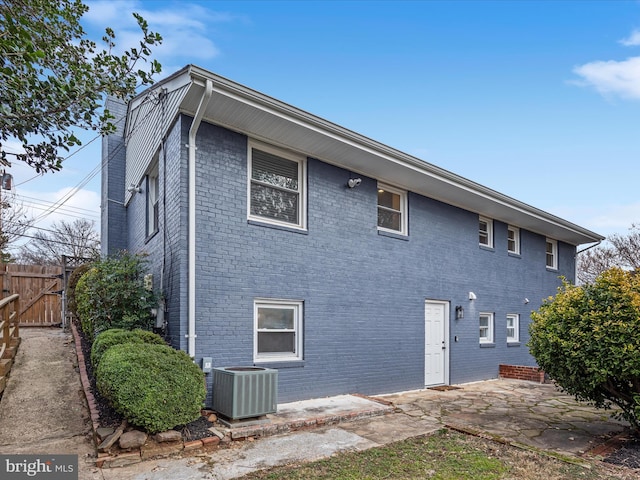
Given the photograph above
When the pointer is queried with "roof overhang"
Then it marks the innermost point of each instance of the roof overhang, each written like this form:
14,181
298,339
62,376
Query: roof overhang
259,116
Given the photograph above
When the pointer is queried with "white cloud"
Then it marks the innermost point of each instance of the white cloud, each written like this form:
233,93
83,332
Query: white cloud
632,40
186,29
604,218
617,78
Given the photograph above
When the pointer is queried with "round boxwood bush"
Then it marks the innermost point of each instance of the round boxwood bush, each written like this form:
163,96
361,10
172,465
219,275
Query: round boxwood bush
117,336
154,387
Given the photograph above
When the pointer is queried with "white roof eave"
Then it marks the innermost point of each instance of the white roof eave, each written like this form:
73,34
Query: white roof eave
259,116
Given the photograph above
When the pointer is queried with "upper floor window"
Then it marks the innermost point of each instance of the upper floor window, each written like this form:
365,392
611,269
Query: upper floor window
486,327
485,231
552,254
153,200
278,330
513,328
392,209
513,239
276,186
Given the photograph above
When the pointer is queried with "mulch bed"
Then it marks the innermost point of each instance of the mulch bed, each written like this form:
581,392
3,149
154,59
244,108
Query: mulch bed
109,417
627,454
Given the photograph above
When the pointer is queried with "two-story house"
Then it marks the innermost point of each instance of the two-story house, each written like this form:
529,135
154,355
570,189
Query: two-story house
283,240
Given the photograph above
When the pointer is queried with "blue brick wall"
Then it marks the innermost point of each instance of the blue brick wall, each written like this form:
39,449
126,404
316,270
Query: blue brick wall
363,293
113,215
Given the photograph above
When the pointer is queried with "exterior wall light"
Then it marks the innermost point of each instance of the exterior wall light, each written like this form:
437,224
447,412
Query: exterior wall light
459,312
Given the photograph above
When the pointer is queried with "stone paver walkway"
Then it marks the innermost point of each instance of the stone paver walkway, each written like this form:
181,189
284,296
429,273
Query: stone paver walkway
536,415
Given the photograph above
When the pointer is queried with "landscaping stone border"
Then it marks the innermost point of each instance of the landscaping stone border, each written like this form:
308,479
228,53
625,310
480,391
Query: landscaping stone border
222,436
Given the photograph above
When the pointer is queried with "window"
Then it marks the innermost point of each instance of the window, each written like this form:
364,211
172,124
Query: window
552,254
276,187
153,200
513,328
486,328
278,330
392,209
486,231
513,239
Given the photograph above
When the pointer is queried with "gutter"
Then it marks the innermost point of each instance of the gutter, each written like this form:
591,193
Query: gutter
197,119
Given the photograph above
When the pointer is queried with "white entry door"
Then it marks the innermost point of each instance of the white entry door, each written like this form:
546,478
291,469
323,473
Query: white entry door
436,316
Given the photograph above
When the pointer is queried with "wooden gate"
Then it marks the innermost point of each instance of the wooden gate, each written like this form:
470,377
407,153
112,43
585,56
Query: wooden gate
40,290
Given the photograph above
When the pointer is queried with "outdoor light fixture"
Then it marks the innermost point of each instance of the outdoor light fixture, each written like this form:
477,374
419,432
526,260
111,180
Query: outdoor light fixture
134,188
459,312
354,182
472,296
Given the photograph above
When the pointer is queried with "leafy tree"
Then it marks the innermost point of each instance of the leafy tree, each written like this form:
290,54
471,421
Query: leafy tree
586,338
52,78
73,239
112,294
620,251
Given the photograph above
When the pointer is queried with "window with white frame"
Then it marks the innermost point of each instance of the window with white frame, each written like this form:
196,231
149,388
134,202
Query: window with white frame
278,330
153,199
513,239
486,328
552,254
392,209
276,186
513,328
485,231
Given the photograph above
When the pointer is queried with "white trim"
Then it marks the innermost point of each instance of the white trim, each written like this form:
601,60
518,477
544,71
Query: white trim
297,307
553,253
488,233
516,328
489,338
191,281
516,239
403,208
302,183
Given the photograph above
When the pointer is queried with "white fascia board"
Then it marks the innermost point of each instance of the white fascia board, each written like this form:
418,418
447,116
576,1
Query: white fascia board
395,159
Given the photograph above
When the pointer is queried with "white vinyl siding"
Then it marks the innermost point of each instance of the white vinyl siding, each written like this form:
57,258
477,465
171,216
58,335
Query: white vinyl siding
276,186
513,328
513,240
278,330
392,209
486,327
485,231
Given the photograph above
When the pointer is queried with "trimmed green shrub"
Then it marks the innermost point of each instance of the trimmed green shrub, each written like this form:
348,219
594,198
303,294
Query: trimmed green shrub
154,387
112,295
586,339
118,336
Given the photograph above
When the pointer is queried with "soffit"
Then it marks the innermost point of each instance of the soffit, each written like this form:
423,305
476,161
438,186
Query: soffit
264,118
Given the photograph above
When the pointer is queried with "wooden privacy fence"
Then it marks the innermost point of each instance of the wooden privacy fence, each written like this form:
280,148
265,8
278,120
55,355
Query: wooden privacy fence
10,331
39,288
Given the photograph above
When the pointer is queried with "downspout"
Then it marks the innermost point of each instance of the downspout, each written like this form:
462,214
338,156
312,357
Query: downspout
202,107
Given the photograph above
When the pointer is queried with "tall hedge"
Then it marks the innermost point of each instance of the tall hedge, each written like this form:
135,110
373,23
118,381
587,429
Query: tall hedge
154,387
112,294
587,339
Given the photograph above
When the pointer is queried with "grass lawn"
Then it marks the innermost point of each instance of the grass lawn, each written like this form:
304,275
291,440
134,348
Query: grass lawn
444,455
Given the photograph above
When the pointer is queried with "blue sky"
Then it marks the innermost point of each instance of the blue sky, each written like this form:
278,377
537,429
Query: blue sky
537,100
